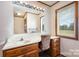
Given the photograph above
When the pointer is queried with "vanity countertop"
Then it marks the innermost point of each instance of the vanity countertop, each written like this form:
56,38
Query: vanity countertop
10,45
54,37
45,34
14,41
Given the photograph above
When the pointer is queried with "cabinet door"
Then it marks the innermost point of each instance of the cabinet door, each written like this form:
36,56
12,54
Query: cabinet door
20,56
56,51
32,54
55,47
12,53
29,48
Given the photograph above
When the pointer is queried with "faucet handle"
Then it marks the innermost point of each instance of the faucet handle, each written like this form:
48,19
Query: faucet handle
21,39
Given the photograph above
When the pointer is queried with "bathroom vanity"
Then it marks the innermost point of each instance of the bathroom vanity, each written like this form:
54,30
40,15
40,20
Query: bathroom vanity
22,45
30,50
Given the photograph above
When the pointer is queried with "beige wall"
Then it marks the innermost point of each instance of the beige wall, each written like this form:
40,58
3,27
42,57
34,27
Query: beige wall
68,46
18,25
6,22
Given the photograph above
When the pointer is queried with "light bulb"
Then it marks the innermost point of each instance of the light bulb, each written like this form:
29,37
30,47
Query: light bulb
43,9
40,8
21,2
18,13
34,6
37,7
26,3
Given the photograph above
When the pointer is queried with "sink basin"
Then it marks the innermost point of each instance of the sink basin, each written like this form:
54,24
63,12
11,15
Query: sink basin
22,42
15,44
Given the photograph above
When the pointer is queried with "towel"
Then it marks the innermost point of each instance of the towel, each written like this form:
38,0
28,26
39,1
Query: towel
45,43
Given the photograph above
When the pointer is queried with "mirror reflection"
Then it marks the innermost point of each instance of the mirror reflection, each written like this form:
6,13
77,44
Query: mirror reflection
26,22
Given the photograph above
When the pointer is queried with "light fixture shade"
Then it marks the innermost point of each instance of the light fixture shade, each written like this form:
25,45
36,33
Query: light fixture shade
21,3
18,14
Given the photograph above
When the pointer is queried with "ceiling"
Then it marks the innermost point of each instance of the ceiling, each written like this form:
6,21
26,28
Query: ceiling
49,3
19,12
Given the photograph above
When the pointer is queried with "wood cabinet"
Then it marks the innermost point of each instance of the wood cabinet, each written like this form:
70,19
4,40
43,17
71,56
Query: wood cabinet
23,51
32,54
54,47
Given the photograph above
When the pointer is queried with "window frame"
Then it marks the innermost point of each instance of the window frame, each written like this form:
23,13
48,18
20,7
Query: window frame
76,21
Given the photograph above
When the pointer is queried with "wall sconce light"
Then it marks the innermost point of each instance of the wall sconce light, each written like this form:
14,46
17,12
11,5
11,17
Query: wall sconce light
21,3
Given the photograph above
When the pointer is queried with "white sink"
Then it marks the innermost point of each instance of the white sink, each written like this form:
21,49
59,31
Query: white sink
22,42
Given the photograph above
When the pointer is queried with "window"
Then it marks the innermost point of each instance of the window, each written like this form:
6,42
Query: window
66,21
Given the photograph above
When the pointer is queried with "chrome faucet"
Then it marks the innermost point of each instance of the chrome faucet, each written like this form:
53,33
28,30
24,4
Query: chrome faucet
21,39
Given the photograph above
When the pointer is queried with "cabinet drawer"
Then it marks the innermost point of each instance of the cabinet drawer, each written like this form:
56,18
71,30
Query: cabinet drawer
56,45
20,51
20,56
55,52
56,40
33,53
56,48
28,48
12,53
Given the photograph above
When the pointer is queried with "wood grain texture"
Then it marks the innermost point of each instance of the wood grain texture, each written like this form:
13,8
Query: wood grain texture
54,47
25,51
